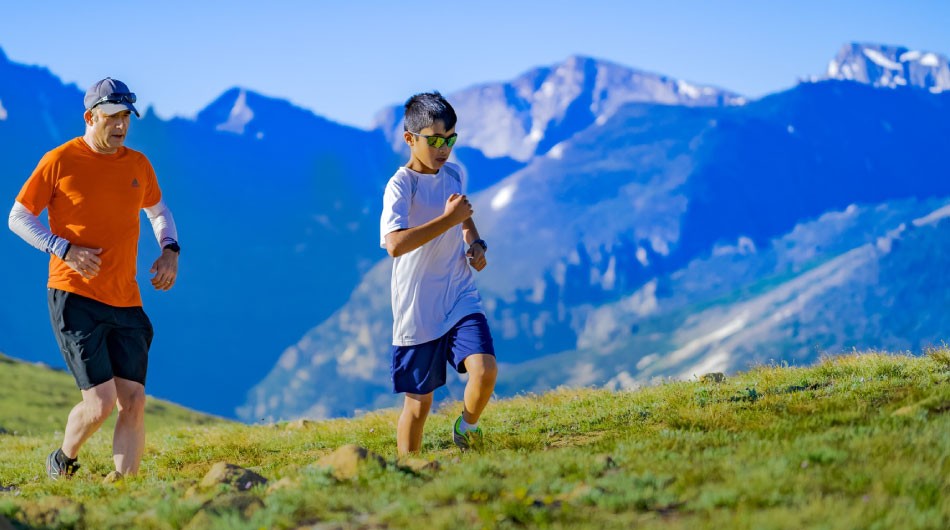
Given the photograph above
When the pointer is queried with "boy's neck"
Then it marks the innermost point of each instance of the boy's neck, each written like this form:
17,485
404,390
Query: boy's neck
417,166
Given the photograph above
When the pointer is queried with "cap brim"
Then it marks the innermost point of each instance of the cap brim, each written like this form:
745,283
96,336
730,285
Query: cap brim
115,108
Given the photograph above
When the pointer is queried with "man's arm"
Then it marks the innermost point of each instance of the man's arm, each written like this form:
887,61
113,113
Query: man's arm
165,267
83,260
457,210
163,224
28,226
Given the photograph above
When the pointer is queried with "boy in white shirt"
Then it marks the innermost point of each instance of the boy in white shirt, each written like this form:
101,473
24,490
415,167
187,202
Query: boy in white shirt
426,226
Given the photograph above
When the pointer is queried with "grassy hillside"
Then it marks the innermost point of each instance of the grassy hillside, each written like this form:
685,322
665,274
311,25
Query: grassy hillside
35,400
860,441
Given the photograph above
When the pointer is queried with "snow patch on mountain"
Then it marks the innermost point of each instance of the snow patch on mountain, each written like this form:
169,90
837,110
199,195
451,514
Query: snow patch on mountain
933,217
879,59
930,60
240,115
890,67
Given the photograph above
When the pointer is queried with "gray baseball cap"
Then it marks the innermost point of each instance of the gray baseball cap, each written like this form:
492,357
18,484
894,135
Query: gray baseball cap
110,95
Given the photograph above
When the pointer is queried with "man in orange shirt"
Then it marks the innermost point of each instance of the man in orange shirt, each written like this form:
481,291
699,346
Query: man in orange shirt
94,188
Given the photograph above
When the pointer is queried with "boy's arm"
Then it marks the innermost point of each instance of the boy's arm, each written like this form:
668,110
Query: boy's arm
475,253
469,232
457,210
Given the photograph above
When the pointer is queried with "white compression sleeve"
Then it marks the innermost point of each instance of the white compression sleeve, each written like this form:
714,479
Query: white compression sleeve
163,224
28,226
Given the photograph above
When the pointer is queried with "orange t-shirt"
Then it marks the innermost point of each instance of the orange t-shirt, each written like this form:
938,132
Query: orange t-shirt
94,201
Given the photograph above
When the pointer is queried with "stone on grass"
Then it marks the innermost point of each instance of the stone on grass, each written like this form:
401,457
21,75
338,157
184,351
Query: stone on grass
714,377
237,477
349,461
300,425
112,477
419,465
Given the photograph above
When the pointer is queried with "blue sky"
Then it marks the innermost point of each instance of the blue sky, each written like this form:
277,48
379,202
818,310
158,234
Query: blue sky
347,60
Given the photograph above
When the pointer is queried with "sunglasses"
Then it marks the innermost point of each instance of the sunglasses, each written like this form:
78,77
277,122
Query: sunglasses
438,141
115,98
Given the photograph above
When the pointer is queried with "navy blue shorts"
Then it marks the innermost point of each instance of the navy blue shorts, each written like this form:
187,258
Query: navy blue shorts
420,369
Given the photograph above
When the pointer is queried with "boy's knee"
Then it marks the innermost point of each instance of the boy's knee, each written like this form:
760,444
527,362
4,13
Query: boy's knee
482,367
418,404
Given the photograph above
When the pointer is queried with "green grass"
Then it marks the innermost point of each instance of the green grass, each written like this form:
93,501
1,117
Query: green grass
35,400
861,441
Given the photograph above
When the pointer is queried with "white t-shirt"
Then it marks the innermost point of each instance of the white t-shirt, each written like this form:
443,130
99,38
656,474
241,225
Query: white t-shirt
432,286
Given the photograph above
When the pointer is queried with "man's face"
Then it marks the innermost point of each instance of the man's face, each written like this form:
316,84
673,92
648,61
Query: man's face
108,130
431,157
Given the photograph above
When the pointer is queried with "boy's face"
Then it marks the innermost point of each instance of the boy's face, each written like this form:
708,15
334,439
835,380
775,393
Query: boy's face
430,157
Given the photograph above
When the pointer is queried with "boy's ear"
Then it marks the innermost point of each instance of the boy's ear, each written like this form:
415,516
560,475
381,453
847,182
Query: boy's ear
408,137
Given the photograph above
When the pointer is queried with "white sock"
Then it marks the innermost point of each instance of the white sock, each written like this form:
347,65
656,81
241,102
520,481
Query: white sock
465,427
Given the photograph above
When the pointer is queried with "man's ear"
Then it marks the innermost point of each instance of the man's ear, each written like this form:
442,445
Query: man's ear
90,117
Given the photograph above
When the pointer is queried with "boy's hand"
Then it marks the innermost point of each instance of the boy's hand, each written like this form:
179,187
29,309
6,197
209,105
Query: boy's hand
85,261
457,208
476,257
165,270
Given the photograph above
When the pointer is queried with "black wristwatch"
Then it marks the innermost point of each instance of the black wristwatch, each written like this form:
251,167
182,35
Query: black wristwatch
173,247
482,243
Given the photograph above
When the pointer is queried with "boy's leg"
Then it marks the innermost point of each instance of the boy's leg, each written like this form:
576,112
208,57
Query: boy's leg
128,441
411,422
86,417
482,372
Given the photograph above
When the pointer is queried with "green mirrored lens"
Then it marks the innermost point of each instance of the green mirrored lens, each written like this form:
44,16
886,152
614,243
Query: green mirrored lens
435,141
451,140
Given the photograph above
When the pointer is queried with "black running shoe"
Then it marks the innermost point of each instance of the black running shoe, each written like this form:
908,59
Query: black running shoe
55,470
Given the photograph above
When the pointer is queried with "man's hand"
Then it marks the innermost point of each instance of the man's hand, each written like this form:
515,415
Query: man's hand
476,257
85,261
165,270
457,208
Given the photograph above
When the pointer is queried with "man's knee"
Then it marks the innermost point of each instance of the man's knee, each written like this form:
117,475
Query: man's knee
99,401
131,398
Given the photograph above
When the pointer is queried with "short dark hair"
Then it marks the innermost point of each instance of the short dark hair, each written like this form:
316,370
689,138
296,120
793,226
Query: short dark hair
422,110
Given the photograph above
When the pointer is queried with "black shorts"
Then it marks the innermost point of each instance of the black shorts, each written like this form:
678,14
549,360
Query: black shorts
100,341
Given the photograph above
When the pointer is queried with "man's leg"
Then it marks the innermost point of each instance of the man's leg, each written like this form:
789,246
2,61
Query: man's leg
128,442
415,409
86,417
482,371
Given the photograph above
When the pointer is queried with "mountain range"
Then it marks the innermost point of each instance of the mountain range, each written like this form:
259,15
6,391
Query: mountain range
640,227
